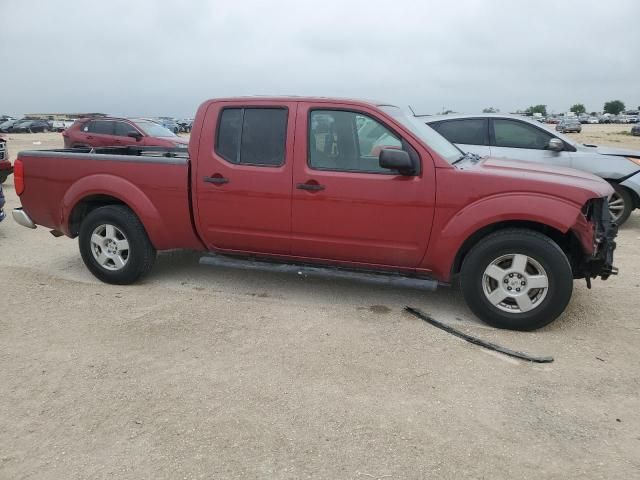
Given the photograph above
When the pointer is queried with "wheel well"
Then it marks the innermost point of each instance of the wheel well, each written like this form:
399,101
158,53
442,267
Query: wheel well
86,206
568,242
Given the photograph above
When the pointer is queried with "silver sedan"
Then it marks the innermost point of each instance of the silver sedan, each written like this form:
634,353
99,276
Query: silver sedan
519,138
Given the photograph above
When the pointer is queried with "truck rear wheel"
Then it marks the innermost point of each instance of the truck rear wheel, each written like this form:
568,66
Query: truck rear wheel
114,245
517,279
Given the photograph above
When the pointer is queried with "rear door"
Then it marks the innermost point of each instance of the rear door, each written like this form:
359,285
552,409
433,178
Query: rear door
518,140
346,208
97,133
469,134
243,177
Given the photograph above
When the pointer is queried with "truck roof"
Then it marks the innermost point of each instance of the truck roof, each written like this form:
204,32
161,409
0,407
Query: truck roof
297,98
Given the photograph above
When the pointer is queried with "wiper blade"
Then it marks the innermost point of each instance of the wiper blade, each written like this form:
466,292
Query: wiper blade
474,157
462,157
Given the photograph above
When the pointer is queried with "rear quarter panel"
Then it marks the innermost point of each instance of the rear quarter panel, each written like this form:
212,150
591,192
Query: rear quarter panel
156,190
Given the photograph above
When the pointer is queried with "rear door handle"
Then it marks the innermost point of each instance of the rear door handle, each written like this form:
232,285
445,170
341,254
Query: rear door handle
216,180
312,187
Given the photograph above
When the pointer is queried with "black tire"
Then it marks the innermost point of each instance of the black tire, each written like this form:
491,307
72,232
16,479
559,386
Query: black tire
140,254
627,204
534,245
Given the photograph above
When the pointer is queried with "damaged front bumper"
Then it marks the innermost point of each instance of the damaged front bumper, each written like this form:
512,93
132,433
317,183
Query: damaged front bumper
600,262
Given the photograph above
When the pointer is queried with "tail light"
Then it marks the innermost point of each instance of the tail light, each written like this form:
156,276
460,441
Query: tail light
18,176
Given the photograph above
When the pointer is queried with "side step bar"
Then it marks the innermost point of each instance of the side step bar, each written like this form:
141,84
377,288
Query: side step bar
379,278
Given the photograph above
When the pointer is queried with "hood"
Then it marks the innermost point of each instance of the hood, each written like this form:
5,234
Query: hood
574,185
182,140
617,151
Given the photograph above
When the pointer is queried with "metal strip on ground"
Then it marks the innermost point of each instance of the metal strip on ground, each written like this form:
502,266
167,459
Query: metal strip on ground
477,341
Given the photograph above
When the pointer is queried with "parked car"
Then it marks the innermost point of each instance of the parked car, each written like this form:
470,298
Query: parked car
109,131
592,120
168,123
518,138
515,234
185,124
569,125
5,164
61,125
5,126
31,126
635,130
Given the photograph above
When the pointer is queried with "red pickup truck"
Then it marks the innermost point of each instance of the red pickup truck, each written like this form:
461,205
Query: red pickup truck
353,186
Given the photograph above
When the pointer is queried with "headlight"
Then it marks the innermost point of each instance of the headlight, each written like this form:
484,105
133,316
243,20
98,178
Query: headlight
182,145
635,160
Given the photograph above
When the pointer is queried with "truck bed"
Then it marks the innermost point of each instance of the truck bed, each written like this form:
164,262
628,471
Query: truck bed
153,181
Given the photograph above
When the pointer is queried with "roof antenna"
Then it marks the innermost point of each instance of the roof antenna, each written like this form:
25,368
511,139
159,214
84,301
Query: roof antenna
414,113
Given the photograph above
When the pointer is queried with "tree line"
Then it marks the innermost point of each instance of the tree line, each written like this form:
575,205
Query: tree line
613,107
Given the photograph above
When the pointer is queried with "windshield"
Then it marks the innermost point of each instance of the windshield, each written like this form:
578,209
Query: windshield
428,135
153,129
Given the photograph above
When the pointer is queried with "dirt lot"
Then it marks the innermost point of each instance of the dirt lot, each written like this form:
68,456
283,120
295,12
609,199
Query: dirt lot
206,373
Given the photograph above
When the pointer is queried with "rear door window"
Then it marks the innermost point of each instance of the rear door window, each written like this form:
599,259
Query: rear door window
252,136
469,131
515,134
100,127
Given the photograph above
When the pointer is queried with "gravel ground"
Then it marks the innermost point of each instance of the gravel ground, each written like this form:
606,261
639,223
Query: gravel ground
209,373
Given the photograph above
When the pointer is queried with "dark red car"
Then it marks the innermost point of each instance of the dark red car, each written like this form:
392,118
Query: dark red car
5,165
109,132
311,184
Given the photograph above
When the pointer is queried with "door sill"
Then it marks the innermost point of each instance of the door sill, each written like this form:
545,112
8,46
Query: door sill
387,278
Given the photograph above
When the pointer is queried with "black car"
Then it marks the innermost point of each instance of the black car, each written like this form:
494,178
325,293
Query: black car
31,126
5,125
635,130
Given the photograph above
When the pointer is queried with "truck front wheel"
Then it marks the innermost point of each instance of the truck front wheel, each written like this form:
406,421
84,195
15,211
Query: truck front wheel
114,245
517,279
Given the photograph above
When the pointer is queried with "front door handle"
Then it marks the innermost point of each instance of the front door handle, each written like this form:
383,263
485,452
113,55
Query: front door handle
312,187
216,180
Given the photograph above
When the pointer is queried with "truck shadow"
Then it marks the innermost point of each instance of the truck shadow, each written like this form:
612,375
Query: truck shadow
182,268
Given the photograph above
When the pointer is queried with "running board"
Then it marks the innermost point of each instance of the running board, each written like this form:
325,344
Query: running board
368,276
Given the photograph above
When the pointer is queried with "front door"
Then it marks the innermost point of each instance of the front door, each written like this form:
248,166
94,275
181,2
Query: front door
346,208
521,141
243,178
122,131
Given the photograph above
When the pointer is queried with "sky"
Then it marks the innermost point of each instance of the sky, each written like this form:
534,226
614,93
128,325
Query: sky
158,57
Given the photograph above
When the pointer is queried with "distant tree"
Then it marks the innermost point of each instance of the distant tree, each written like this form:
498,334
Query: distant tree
578,109
614,107
541,109
490,110
593,114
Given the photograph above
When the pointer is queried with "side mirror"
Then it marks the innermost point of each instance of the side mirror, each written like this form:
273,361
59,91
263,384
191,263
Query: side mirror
556,145
136,135
394,159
